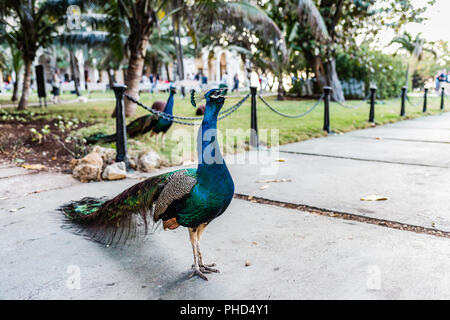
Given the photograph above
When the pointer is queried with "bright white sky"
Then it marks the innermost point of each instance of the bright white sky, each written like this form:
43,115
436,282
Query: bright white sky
437,27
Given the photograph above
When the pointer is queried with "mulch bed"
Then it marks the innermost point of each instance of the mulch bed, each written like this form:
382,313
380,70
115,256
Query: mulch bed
19,146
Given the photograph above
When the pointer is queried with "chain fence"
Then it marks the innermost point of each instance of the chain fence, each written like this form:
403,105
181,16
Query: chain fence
185,120
414,104
353,107
291,116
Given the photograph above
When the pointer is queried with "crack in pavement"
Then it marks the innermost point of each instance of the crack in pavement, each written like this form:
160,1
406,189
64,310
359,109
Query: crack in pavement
20,174
346,216
406,140
362,159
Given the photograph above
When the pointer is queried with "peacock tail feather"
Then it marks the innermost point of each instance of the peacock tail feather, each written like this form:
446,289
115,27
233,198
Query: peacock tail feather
124,217
137,127
99,136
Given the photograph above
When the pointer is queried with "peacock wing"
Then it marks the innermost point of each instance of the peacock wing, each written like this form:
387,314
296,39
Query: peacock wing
178,186
138,125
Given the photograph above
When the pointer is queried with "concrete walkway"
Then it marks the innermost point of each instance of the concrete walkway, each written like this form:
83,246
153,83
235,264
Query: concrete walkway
263,251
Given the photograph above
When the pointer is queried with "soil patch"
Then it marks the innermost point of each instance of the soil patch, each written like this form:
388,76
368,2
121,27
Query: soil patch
40,141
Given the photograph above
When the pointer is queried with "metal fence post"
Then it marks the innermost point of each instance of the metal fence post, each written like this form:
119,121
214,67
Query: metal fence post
442,98
326,115
402,109
254,140
425,100
373,90
121,129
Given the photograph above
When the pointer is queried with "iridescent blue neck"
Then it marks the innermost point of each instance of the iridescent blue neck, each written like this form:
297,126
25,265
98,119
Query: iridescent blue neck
169,104
210,160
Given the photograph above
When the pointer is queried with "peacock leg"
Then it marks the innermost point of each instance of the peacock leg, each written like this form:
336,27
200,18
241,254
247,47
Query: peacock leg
203,267
163,141
196,267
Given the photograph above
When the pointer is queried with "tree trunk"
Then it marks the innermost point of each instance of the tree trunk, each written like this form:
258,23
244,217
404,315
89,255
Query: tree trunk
75,76
166,65
26,85
110,79
281,91
333,80
14,97
326,75
133,78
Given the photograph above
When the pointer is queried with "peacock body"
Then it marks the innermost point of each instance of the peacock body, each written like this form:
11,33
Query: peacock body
190,198
142,125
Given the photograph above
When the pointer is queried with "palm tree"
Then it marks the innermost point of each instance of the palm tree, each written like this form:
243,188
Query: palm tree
13,61
32,20
415,47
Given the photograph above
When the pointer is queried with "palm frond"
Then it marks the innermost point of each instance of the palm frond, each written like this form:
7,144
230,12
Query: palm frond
308,12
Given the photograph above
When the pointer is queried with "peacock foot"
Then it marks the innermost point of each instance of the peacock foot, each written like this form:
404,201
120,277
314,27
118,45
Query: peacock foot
206,268
199,273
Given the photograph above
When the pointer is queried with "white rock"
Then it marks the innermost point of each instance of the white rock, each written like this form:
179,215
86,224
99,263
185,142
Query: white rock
82,99
107,154
115,171
149,161
87,168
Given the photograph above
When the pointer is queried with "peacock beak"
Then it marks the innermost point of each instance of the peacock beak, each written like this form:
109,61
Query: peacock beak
223,92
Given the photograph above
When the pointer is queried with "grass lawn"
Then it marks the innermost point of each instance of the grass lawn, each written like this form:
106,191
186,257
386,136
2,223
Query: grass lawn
5,99
181,137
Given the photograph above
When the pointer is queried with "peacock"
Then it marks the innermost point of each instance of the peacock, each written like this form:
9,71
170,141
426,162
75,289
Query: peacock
191,198
144,124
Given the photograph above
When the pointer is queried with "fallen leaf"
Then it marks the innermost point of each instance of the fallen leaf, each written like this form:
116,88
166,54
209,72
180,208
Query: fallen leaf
254,243
274,180
264,187
53,158
247,263
377,138
16,209
374,198
33,166
280,160
332,214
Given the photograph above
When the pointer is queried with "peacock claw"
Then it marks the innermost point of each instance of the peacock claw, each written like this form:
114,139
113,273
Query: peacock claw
206,268
197,272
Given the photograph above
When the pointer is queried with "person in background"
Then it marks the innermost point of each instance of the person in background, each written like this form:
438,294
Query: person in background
204,81
225,78
236,83
151,78
56,85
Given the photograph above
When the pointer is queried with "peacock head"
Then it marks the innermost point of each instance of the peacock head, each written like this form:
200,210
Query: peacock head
214,97
173,89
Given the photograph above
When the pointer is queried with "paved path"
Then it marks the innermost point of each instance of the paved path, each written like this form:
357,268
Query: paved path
292,254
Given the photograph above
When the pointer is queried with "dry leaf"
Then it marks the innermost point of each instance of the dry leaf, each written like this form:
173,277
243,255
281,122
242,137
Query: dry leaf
332,214
33,166
16,209
53,158
373,198
247,263
264,187
280,160
274,180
